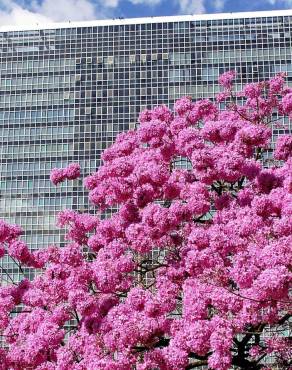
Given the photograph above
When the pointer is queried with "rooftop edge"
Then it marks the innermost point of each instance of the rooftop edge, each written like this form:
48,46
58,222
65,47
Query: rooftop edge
146,20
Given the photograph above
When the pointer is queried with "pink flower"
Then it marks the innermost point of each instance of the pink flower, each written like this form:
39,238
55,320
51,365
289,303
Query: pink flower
220,131
2,251
276,84
202,110
221,97
267,180
252,135
188,252
223,201
283,147
125,144
145,116
226,79
19,250
9,232
252,90
59,175
287,103
150,132
72,172
278,345
183,105
188,140
178,124
255,351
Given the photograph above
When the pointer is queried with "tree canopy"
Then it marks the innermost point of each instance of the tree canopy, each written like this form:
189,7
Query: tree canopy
187,260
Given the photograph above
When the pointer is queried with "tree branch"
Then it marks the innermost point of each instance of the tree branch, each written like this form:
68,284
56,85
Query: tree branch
196,364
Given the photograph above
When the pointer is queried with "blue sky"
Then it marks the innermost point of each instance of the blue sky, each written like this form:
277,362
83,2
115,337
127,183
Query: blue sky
18,12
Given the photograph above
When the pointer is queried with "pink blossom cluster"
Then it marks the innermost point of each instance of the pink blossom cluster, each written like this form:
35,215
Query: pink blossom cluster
284,147
15,248
71,172
190,267
226,79
78,224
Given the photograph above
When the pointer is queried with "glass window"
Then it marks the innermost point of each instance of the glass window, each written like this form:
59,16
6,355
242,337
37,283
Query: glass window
210,73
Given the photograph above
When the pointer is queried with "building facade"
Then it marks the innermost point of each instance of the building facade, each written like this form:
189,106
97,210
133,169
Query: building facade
67,90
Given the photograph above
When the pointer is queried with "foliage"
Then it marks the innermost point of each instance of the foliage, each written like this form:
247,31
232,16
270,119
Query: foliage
193,267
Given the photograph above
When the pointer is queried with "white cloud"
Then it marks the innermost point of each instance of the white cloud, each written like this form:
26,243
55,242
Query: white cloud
280,2
116,3
218,5
146,2
65,10
13,14
192,6
111,3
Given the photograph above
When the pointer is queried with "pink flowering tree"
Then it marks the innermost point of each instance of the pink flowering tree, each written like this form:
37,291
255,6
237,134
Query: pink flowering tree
191,267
